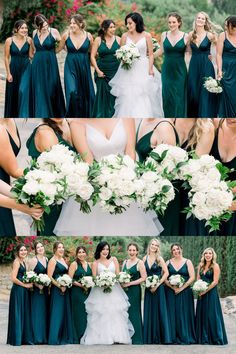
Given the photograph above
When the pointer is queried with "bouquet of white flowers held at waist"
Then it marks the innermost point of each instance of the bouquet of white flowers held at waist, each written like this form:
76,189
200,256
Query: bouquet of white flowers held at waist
152,281
153,192
115,188
42,279
176,280
167,160
127,54
105,280
124,278
200,286
210,196
29,277
212,85
65,280
87,282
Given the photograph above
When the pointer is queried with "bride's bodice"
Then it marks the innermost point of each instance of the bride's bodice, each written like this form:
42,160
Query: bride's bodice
101,146
141,44
102,267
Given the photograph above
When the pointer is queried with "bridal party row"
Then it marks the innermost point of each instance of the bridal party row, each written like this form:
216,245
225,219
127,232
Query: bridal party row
33,87
95,138
63,316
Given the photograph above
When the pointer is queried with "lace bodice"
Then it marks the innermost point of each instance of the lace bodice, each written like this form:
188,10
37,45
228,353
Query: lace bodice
102,267
102,146
141,44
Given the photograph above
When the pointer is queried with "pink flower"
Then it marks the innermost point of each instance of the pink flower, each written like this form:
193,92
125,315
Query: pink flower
68,12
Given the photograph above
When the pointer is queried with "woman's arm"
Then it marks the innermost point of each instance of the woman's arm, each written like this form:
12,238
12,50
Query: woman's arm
130,130
143,275
216,277
61,44
31,49
16,266
117,267
160,51
206,141
94,269
164,134
219,52
190,280
150,53
165,272
93,56
71,272
7,59
79,140
90,37
123,39
45,138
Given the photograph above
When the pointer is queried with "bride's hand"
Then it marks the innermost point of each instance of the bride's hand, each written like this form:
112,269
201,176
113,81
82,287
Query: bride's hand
151,72
124,285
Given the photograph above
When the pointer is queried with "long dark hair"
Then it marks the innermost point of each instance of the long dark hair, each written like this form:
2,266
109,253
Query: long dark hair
99,249
39,21
76,253
231,21
138,20
18,247
36,243
104,27
56,244
52,124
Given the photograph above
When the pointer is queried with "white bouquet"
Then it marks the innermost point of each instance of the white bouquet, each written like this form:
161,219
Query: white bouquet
167,160
87,282
210,197
115,189
212,85
43,279
65,280
176,280
105,280
29,277
152,281
127,54
199,287
124,278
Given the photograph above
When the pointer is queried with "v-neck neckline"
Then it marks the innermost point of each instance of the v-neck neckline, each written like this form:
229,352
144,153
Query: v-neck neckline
77,49
104,136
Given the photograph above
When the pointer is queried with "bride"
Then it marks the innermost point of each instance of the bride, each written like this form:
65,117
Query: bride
93,139
138,91
108,320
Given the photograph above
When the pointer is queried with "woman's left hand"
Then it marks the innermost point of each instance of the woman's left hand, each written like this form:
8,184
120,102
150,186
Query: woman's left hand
151,72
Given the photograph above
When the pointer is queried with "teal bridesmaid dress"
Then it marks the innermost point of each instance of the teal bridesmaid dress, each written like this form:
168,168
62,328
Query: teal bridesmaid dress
210,328
170,220
79,88
134,295
156,327
108,64
181,310
174,79
227,228
201,103
39,309
78,297
16,95
55,210
60,321
19,319
227,105
46,95
7,227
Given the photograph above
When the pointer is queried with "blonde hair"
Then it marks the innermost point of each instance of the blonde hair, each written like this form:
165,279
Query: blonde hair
158,252
203,261
195,134
208,27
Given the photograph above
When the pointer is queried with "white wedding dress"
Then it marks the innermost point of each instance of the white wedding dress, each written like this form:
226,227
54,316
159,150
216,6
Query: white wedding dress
138,94
108,320
133,222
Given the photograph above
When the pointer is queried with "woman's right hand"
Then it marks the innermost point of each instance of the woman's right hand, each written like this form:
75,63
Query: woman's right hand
63,289
35,212
28,285
101,73
9,78
219,75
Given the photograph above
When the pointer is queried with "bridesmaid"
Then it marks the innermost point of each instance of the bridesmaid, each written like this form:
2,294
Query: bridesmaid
106,65
180,300
135,267
201,103
224,150
60,322
195,134
50,132
79,90
17,53
46,92
226,66
78,269
152,132
19,320
156,320
174,71
39,297
210,328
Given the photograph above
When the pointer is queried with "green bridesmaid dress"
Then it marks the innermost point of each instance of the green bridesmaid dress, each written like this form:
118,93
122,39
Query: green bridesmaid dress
156,327
7,227
227,105
170,220
39,309
49,219
19,320
60,321
46,95
16,95
79,90
181,310
201,103
227,228
134,295
78,297
108,64
174,79
210,328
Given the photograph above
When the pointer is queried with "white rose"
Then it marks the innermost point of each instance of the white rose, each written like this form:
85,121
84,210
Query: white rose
105,193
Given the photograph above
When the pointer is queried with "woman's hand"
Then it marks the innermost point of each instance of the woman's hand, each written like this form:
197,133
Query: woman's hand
9,78
100,73
124,285
154,289
178,290
28,285
151,72
35,212
219,75
63,289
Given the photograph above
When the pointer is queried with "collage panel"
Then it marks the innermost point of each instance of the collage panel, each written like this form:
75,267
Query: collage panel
106,290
